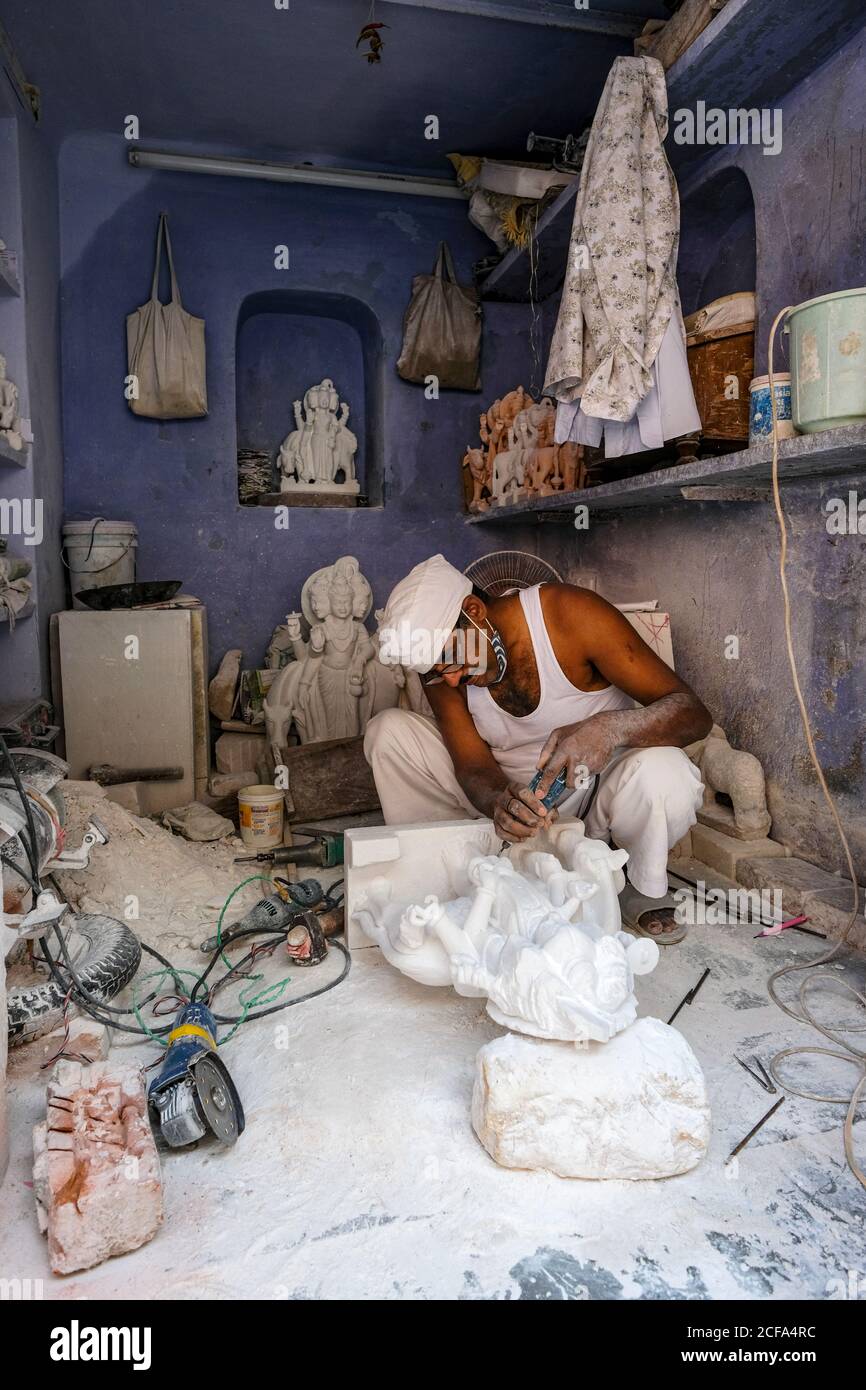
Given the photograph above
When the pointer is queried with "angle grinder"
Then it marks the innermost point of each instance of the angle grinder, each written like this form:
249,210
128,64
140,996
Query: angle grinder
193,1095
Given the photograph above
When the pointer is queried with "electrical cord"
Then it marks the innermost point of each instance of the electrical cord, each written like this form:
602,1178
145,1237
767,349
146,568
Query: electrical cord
108,1014
96,1008
853,1055
30,848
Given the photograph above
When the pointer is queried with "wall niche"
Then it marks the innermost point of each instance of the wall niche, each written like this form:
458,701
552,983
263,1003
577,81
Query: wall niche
287,342
717,239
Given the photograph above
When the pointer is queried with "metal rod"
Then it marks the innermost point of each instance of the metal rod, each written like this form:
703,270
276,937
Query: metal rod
687,998
752,1132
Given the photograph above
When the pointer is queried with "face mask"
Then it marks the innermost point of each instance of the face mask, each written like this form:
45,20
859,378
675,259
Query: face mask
496,647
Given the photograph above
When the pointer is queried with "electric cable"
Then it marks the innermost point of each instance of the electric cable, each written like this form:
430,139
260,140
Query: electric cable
31,848
97,1008
853,1055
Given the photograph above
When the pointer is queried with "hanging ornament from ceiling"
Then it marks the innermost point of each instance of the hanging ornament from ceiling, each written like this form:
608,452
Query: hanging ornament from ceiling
371,36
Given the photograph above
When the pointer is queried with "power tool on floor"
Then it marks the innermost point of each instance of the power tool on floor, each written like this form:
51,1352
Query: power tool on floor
325,851
304,904
193,1095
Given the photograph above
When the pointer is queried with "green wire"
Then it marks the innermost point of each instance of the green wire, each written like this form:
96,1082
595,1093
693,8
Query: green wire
267,995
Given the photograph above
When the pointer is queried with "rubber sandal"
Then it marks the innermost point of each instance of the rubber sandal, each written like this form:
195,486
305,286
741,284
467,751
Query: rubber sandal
634,905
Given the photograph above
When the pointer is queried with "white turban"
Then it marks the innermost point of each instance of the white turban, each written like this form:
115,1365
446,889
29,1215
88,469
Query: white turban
421,613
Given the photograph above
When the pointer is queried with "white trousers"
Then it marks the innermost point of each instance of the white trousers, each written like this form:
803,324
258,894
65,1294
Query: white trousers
646,801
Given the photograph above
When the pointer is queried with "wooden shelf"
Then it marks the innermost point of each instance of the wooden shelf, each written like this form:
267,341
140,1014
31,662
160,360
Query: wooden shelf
750,55
727,477
19,458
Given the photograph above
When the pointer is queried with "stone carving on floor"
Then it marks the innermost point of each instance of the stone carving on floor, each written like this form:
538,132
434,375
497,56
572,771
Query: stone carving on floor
336,683
737,775
319,454
543,945
580,1086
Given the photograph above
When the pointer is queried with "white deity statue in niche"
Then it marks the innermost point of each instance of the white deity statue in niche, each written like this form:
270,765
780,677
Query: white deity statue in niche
539,938
319,454
335,683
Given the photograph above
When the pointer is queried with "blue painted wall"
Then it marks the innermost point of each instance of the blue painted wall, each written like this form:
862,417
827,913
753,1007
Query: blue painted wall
177,480
30,338
810,216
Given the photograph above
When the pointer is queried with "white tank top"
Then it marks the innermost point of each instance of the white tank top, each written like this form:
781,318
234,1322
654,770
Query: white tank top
516,741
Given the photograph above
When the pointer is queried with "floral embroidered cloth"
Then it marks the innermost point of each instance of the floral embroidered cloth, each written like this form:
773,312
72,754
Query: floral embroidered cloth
620,287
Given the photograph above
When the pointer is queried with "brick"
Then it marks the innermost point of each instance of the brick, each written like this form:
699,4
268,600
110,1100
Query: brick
683,848
97,1182
824,898
723,852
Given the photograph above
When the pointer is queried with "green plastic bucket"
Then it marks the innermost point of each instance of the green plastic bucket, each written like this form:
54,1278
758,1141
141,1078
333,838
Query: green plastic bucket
828,361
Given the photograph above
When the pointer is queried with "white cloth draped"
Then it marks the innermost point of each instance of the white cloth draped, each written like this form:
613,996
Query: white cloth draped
620,302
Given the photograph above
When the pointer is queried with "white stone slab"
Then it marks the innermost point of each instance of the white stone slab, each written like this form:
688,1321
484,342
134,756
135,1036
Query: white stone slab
635,1107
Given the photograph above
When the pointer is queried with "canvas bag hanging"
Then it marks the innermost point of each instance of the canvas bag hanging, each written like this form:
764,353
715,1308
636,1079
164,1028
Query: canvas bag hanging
442,329
165,350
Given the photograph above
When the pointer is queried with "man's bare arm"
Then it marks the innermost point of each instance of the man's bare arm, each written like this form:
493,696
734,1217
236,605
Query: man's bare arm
516,813
596,638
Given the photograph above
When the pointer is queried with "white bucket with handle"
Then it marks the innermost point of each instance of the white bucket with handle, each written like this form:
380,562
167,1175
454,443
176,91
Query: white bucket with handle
98,553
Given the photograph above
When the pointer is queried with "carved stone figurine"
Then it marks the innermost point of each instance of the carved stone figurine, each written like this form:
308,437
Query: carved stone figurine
476,461
519,457
10,425
336,682
319,454
540,939
738,775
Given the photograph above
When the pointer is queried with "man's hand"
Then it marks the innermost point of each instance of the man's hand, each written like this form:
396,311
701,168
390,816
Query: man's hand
518,814
582,749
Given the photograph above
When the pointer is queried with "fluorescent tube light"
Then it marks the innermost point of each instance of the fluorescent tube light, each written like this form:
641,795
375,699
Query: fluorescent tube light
296,173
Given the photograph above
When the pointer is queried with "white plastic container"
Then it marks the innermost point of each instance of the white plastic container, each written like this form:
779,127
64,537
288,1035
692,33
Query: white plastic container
261,817
99,553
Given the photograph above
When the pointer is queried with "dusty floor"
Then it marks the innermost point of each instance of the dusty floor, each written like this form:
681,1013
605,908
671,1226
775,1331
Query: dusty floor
359,1177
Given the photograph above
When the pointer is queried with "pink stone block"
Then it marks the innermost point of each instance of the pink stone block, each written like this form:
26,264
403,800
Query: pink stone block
96,1169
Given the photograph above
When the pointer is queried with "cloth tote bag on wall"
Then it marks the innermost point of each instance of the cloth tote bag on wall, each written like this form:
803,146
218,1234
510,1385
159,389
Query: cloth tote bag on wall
442,329
165,351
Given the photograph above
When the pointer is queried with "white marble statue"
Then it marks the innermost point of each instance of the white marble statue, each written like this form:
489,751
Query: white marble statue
335,683
538,936
10,424
319,454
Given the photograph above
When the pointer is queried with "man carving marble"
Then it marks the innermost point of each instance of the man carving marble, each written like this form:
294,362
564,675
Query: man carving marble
553,677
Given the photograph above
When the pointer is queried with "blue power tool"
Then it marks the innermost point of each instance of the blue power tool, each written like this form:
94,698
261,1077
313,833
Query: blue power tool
557,789
556,792
193,1095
